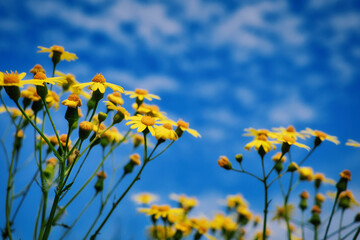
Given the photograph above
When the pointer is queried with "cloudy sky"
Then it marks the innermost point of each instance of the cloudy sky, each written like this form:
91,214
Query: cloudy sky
221,65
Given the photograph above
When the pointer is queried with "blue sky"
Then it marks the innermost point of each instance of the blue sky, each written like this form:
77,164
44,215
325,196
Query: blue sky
221,65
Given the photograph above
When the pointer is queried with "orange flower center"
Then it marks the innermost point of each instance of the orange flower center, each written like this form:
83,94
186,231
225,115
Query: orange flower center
57,49
37,68
346,174
167,126
86,126
141,91
183,124
147,120
135,158
12,77
164,208
116,94
288,139
40,75
316,209
290,129
101,174
262,137
319,176
99,78
320,134
74,98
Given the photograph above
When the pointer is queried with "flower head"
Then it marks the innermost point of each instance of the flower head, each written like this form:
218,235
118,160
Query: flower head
165,132
286,139
115,98
31,94
352,143
99,83
224,162
37,68
320,136
141,94
284,213
261,141
15,79
183,126
289,131
160,211
185,202
58,50
52,99
145,198
73,101
347,199
142,123
306,173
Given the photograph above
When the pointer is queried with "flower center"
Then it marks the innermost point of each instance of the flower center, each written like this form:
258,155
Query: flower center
320,134
164,208
101,174
262,137
12,77
99,78
74,98
37,68
290,129
57,49
70,78
288,139
141,91
116,94
167,126
147,120
40,75
183,124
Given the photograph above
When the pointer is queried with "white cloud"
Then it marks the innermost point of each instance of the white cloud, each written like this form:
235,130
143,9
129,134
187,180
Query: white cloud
198,10
291,110
152,83
213,134
209,90
344,69
221,116
246,96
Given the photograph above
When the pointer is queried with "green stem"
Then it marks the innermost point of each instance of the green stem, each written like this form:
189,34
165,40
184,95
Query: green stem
357,233
302,225
332,214
307,156
341,222
248,173
37,219
315,233
266,203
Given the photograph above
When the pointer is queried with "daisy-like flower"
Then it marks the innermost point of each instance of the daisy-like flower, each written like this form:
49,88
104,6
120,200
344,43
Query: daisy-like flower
289,131
69,83
115,98
122,111
183,126
233,201
320,136
142,123
141,94
202,225
320,178
15,79
31,94
280,212
261,141
306,173
259,132
73,101
165,131
151,110
99,83
286,139
347,200
185,202
52,99
58,50
145,198
37,68
162,211
352,143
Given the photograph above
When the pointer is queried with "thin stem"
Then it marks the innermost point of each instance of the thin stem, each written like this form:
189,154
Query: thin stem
162,151
356,234
341,222
307,156
302,225
315,233
332,214
248,173
266,203
343,228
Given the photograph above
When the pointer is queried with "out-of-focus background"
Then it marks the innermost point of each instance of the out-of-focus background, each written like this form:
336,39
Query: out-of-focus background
222,66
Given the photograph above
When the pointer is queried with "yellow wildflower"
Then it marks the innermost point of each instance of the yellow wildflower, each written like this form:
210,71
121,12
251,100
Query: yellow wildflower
291,141
73,101
145,198
52,99
58,50
151,110
261,141
162,211
347,199
141,94
14,79
277,156
352,143
289,131
259,132
280,212
165,132
158,232
30,93
111,106
321,135
99,83
115,98
142,123
37,68
233,201
184,126
306,173
187,203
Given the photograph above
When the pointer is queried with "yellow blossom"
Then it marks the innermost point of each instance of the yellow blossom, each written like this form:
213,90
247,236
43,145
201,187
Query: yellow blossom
277,156
162,211
69,82
151,110
352,143
321,135
14,79
282,213
30,93
99,83
115,98
141,94
60,50
291,141
110,105
145,198
259,132
142,123
165,132
289,131
73,101
184,126
187,203
306,173
233,201
37,68
261,141
52,99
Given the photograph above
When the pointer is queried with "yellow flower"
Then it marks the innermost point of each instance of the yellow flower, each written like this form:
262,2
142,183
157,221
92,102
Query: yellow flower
73,101
352,143
184,227
321,178
142,123
165,131
184,126
259,141
224,162
52,99
30,93
321,135
99,83
115,98
289,131
111,106
58,50
37,68
14,79
244,213
141,94
145,198
113,135
291,141
217,222
160,211
306,173
277,156
69,82
229,224
159,232
233,201
187,203
40,76
259,132
347,199
280,212
135,158
202,225
151,110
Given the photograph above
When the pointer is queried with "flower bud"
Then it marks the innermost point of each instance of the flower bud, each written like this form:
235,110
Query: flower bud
239,158
292,167
134,160
224,162
345,176
99,185
315,218
85,128
49,170
102,116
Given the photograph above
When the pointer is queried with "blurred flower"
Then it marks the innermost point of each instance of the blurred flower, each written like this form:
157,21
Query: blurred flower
261,141
142,123
183,126
224,162
58,50
347,200
115,98
277,156
321,136
162,211
185,202
306,173
69,83
165,132
145,198
280,213
141,94
31,94
233,201
320,178
37,68
291,141
52,99
352,143
289,131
